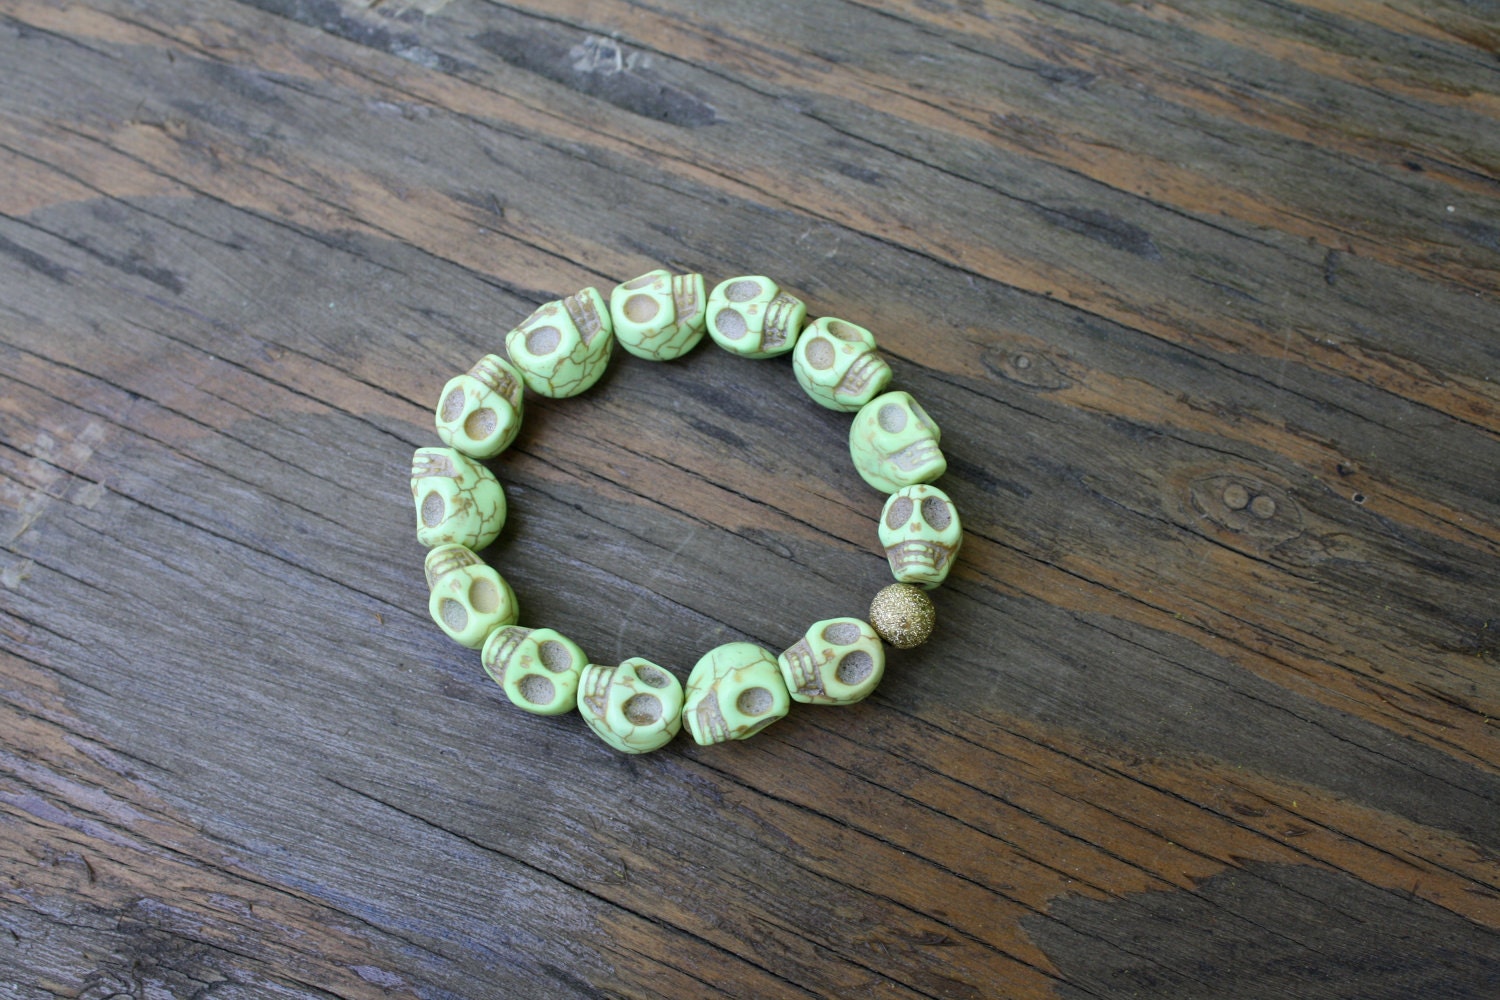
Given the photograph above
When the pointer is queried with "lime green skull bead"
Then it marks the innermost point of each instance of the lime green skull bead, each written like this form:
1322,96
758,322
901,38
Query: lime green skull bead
838,661
457,499
659,316
837,365
921,534
563,347
752,317
894,443
538,669
734,692
635,707
479,413
468,599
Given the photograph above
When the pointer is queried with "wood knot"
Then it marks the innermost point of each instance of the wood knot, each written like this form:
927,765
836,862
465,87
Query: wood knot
1247,505
1025,364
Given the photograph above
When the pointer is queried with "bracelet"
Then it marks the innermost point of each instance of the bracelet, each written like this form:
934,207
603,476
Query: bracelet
737,689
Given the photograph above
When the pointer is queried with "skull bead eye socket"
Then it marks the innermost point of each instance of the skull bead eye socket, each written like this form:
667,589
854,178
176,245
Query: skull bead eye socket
555,656
892,418
453,406
641,308
843,331
854,668
754,701
899,513
537,689
841,633
481,424
730,324
819,353
923,418
543,340
742,291
454,615
484,597
434,509
651,677
936,513
642,709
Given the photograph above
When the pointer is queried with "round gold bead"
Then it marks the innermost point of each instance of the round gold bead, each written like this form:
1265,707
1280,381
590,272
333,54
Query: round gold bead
903,615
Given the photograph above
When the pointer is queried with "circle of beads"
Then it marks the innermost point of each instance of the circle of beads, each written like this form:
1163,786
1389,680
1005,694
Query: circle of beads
737,689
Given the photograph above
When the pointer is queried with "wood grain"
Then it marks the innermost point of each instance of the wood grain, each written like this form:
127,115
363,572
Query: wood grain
1202,295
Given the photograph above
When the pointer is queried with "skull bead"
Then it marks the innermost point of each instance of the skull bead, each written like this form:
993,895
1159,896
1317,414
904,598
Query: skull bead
659,316
457,499
563,347
752,317
479,413
837,662
837,365
469,600
537,668
734,692
921,533
635,707
894,443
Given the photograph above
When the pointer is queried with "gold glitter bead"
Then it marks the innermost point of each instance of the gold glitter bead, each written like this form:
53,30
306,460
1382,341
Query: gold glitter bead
903,615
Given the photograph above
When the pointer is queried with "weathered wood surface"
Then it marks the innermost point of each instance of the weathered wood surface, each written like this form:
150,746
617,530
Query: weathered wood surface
1203,295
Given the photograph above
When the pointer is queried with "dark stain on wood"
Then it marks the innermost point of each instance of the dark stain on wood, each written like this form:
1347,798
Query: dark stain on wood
33,260
1105,228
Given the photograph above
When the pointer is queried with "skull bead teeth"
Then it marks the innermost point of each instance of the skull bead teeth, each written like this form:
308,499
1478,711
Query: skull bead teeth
738,689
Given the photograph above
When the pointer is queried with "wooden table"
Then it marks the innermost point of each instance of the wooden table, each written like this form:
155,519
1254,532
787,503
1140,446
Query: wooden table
1203,296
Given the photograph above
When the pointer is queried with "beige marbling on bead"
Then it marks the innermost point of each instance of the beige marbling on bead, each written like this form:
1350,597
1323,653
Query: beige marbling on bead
456,498
659,316
563,347
479,412
837,365
635,707
468,599
734,692
838,661
752,317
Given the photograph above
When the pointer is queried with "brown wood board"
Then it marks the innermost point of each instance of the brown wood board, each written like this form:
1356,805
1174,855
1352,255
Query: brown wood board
1203,297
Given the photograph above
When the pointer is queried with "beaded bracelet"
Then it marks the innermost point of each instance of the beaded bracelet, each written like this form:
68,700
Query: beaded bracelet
737,689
